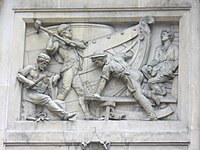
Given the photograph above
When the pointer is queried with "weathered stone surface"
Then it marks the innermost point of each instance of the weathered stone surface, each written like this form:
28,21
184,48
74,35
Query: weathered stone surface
20,46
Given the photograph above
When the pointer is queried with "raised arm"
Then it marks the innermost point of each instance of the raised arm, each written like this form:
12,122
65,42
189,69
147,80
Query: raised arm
52,46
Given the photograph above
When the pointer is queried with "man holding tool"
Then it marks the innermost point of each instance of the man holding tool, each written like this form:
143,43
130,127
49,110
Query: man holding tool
36,86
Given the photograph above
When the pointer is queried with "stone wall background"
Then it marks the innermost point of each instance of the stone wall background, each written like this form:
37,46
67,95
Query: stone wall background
10,139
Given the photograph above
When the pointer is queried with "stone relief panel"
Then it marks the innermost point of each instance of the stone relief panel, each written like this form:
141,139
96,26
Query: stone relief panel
100,71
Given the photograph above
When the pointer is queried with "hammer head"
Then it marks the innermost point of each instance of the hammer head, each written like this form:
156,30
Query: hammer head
37,25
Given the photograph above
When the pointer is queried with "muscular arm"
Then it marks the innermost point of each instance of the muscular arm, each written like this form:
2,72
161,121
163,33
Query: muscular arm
23,79
101,86
106,71
21,76
52,46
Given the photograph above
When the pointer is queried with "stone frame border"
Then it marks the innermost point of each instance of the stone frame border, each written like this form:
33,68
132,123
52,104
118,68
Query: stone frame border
166,131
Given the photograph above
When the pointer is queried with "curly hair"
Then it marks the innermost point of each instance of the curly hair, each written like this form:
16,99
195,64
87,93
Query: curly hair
43,57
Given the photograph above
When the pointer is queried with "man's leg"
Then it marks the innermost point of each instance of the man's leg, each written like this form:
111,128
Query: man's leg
45,100
144,102
29,110
53,107
66,84
79,89
153,84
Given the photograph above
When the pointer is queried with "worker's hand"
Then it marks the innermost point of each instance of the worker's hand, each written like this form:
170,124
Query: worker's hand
51,33
149,69
96,96
55,79
31,83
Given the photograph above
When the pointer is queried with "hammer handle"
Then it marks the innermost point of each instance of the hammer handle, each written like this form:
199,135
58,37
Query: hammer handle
67,41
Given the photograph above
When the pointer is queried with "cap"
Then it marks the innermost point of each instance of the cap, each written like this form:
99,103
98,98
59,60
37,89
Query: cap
62,27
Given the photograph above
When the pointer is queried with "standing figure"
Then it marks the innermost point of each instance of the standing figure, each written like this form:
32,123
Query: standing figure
69,53
117,67
36,81
164,65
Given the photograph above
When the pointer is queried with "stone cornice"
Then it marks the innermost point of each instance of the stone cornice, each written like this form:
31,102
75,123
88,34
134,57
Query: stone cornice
99,5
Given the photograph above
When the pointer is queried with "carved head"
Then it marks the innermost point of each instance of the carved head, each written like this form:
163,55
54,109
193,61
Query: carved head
64,30
167,34
43,60
99,59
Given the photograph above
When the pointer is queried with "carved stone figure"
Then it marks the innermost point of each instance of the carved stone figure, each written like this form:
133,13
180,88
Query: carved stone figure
117,67
164,65
37,90
126,51
69,53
